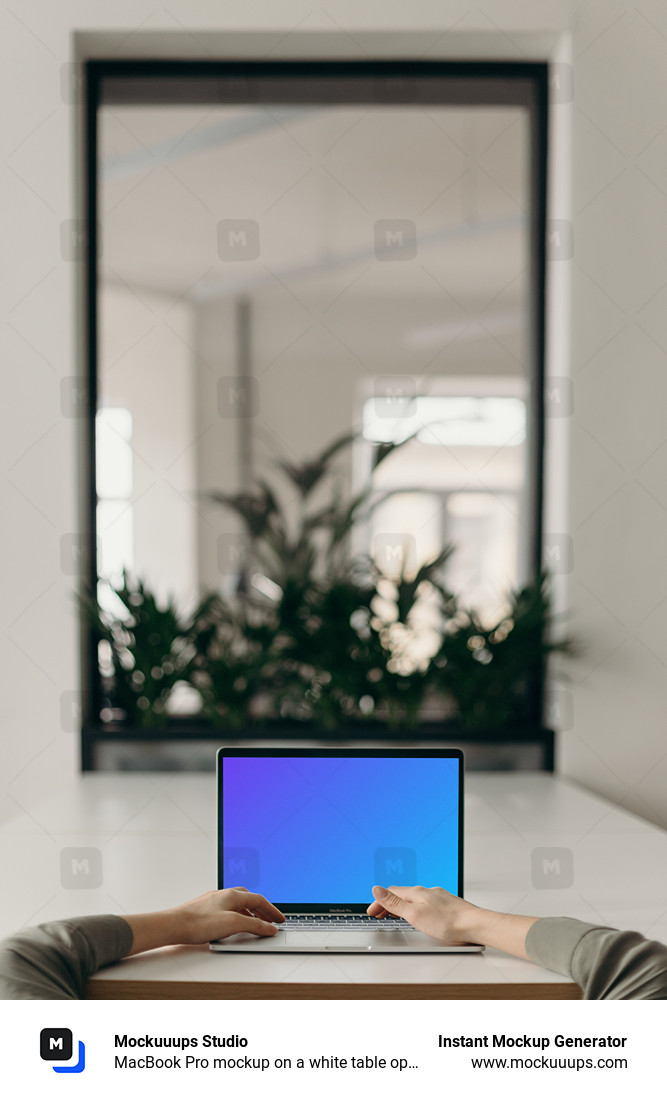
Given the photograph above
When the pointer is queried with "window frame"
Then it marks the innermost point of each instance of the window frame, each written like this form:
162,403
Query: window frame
470,83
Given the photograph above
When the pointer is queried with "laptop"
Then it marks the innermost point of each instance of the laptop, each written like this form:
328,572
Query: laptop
314,829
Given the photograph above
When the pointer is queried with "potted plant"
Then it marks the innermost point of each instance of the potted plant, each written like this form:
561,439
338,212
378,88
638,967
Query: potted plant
317,639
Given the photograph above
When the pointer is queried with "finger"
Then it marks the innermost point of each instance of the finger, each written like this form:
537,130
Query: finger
376,910
393,900
407,893
253,925
257,903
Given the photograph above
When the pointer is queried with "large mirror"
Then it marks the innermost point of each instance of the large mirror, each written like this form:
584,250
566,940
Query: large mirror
314,267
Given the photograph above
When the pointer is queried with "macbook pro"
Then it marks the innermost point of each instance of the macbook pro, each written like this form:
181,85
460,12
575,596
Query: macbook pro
314,829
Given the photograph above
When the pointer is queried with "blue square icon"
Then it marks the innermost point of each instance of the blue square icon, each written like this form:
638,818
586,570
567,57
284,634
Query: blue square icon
395,867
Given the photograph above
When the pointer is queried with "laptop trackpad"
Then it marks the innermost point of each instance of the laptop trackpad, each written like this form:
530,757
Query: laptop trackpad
353,941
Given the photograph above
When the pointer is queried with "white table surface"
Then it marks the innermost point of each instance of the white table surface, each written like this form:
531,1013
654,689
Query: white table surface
156,834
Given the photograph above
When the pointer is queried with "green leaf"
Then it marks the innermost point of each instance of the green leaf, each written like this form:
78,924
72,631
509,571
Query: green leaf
306,475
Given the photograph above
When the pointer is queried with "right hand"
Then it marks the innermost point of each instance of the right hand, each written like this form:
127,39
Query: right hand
433,910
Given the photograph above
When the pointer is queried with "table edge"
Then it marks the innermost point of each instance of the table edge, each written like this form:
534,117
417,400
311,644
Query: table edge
141,990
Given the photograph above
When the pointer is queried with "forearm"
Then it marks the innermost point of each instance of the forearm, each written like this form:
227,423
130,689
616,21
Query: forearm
606,963
505,931
55,960
156,930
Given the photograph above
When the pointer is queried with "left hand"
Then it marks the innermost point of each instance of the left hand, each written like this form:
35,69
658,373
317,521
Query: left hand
212,916
222,913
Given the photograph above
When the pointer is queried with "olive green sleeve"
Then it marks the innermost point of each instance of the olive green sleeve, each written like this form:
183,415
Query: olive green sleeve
606,963
55,960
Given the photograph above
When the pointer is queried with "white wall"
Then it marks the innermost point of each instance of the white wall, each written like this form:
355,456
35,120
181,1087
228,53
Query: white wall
618,440
618,458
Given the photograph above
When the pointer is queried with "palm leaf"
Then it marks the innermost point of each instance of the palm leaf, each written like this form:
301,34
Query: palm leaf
383,450
306,475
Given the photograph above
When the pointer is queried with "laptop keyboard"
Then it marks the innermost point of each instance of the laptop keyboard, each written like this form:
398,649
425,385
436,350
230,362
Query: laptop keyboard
358,922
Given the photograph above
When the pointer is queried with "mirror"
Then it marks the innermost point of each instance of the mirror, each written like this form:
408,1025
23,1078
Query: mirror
279,275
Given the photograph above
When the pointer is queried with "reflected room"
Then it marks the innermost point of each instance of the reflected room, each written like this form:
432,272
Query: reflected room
318,430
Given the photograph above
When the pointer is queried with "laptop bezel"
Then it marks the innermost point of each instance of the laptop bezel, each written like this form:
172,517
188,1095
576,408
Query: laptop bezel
298,751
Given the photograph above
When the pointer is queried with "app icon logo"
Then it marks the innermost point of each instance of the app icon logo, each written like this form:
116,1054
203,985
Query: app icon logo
56,1044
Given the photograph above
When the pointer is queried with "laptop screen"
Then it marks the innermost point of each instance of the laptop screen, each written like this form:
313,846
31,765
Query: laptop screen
319,829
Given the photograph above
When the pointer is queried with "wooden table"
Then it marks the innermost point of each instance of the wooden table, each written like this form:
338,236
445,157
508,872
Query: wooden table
534,844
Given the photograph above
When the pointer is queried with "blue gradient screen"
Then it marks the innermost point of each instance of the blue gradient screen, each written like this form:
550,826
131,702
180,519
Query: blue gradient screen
326,829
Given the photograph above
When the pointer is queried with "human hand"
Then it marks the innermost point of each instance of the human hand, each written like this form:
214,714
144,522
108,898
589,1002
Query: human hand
213,916
449,918
221,913
433,910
